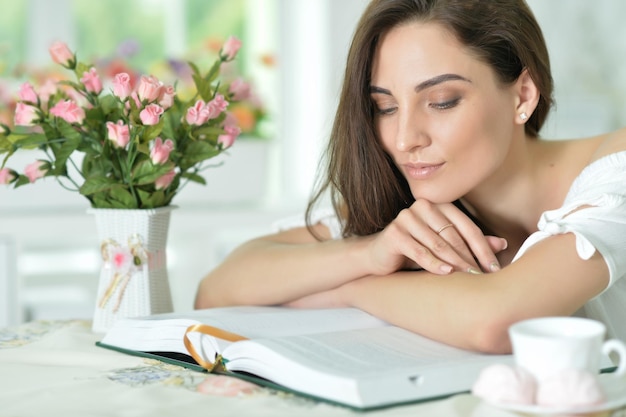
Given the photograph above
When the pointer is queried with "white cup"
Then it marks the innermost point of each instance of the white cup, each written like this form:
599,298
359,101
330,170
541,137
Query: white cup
548,345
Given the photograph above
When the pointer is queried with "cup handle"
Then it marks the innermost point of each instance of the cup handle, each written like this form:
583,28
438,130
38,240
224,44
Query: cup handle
617,346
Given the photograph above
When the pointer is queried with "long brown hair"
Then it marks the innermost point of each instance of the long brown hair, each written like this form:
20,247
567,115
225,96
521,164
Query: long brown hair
366,189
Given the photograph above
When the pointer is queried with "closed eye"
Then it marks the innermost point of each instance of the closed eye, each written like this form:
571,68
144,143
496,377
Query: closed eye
445,105
386,111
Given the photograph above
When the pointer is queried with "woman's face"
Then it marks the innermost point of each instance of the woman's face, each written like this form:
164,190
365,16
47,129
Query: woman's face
441,113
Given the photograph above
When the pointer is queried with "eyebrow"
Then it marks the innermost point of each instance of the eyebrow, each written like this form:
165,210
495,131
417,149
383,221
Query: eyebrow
431,82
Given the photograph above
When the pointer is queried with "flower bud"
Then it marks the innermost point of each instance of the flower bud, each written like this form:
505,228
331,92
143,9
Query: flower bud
27,93
62,55
160,152
149,89
91,81
118,133
164,181
68,111
121,85
151,114
230,48
6,176
227,139
36,170
239,89
26,115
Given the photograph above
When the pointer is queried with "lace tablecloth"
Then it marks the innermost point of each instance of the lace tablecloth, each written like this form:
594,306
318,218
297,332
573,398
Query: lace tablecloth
53,368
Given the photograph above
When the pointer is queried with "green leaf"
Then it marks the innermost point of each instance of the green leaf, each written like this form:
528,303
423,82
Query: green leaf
94,185
192,176
197,152
122,198
21,180
151,132
203,87
151,199
213,72
100,202
30,141
146,172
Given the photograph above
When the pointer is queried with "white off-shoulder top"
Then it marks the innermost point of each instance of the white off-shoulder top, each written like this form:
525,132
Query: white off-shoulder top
600,226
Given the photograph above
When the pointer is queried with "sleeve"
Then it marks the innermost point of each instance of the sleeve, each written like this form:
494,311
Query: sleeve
595,212
325,216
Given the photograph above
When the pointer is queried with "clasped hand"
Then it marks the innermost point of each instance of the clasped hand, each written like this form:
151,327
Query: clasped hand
439,238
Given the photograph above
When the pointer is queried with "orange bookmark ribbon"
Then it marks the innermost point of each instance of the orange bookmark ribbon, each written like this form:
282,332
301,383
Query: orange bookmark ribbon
209,331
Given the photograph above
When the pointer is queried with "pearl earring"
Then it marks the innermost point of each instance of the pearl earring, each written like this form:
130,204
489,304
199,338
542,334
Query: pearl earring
523,116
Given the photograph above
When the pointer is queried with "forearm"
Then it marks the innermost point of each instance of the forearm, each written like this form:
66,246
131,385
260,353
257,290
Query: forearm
452,309
266,272
475,311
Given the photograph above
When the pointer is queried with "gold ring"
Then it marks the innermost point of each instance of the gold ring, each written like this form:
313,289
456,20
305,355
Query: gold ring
444,227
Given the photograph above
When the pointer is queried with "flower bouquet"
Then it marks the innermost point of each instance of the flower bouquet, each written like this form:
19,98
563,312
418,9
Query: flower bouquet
131,145
128,148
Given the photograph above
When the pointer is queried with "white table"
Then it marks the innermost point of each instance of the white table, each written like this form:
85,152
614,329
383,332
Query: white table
53,368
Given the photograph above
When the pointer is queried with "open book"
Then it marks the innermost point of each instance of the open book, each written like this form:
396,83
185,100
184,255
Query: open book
344,356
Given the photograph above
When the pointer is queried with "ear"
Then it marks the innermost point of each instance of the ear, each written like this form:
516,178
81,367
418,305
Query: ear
526,97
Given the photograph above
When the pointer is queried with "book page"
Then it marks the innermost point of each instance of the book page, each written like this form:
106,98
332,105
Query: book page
356,353
361,367
165,332
270,322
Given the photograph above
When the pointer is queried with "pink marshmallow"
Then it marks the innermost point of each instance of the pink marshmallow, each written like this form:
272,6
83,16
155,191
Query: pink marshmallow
501,383
570,388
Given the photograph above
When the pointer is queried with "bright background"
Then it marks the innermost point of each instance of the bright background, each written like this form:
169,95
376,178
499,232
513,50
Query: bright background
294,54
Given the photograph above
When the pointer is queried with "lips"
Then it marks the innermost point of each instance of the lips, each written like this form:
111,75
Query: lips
421,171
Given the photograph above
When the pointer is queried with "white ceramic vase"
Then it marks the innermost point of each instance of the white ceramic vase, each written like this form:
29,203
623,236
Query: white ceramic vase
133,275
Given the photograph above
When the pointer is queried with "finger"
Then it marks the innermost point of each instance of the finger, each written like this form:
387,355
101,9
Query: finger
476,241
436,231
430,250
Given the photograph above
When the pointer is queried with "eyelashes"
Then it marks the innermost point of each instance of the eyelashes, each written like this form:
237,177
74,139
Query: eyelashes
444,105
441,105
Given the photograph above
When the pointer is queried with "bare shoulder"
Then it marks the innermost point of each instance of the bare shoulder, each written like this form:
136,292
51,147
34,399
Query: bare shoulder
610,143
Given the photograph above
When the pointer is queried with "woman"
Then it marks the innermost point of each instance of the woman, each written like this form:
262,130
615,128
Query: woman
439,179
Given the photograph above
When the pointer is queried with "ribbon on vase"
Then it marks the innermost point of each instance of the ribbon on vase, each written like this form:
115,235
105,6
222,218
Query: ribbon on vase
124,261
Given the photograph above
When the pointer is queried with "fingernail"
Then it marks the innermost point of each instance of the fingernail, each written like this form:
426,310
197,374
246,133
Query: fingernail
506,243
446,269
474,271
494,267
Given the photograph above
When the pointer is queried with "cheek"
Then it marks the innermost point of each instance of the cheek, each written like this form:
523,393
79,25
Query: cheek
385,132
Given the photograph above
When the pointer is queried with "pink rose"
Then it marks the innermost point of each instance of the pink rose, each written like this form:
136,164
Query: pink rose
164,181
166,99
151,114
91,81
161,151
62,55
239,89
27,93
121,85
118,133
216,106
26,115
198,114
68,111
230,48
35,170
149,89
6,176
227,139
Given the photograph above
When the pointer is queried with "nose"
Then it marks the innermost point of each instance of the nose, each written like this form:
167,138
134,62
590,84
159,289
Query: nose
410,133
